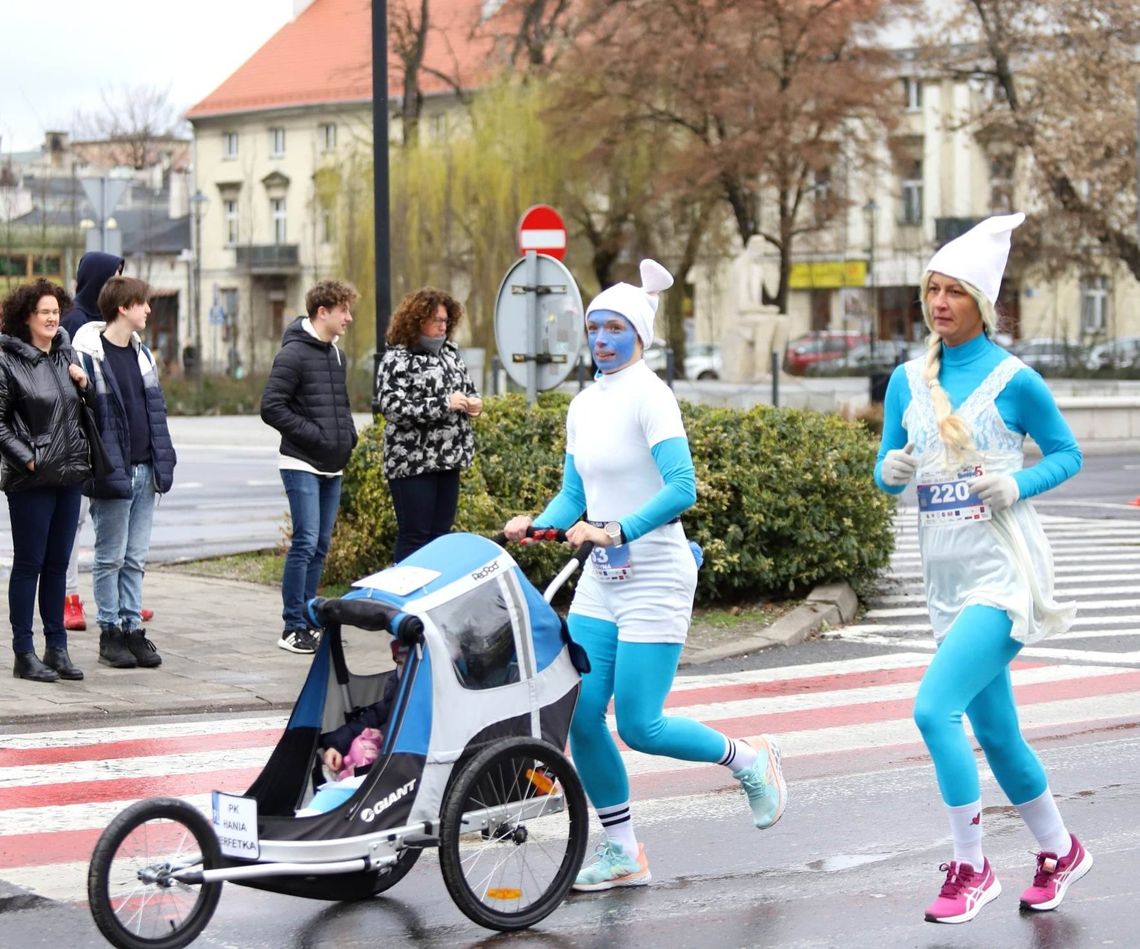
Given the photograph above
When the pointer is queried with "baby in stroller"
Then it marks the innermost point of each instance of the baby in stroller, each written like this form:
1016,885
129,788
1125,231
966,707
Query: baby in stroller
348,752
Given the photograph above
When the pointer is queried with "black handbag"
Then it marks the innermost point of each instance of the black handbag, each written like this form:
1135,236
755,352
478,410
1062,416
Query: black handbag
101,464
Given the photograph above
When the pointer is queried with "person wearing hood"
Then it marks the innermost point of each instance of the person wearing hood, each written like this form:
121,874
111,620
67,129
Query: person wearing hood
627,478
306,400
44,459
95,269
130,411
955,420
427,399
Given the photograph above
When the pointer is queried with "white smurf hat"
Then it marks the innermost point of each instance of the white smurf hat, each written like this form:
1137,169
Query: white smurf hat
636,304
979,255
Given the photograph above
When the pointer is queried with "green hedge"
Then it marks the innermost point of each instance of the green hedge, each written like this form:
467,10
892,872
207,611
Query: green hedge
785,497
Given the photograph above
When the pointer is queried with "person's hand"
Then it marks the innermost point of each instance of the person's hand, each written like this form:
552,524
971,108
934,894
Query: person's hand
516,527
998,491
474,405
31,466
457,402
582,532
333,760
899,466
78,376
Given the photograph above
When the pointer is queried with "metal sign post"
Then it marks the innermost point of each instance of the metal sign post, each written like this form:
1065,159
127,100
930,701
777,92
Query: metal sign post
538,323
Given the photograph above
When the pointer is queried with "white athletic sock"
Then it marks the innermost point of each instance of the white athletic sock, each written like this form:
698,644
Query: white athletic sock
1045,823
966,832
738,756
618,825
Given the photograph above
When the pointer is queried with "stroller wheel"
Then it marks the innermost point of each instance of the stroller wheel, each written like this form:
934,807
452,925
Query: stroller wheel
513,833
135,901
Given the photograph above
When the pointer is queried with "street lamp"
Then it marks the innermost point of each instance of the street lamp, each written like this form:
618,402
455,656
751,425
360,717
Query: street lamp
869,209
198,204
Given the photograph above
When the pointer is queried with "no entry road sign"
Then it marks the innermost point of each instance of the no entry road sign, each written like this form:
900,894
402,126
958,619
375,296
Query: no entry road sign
542,230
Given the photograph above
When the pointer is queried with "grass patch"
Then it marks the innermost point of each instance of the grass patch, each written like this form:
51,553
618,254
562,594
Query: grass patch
739,617
257,566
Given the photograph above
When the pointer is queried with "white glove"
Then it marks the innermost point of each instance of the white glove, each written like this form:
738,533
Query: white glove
899,466
998,491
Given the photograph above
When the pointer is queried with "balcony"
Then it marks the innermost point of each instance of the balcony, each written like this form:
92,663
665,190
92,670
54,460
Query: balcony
268,258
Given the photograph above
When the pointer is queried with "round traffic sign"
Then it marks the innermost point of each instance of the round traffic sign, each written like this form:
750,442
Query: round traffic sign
542,229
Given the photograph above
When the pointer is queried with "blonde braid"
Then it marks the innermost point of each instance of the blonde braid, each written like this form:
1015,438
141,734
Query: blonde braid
952,430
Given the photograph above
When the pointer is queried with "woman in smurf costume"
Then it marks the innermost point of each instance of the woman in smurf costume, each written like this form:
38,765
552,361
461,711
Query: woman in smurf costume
958,417
627,478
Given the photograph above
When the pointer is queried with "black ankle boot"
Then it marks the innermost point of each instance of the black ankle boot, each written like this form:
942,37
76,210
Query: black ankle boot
57,658
28,666
113,649
144,651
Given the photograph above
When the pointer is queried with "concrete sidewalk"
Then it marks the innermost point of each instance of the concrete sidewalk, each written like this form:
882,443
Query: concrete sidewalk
218,642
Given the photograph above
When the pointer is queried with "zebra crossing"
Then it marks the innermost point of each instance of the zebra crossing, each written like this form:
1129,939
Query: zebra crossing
1096,565
58,789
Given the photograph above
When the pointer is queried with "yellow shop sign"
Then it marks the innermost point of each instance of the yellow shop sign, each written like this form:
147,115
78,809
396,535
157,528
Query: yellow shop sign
826,274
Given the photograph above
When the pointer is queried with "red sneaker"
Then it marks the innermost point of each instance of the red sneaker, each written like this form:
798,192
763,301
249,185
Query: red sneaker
147,615
964,893
1053,876
73,617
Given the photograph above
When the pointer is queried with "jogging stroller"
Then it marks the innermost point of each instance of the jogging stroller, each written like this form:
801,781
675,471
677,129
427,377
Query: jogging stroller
471,763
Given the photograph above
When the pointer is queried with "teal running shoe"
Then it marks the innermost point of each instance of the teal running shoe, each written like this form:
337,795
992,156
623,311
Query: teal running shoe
763,784
612,868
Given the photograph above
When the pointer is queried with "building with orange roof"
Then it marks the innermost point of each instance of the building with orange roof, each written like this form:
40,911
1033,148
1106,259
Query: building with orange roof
273,145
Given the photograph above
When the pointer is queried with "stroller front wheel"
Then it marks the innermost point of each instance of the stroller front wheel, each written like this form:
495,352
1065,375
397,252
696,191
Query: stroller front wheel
134,898
514,831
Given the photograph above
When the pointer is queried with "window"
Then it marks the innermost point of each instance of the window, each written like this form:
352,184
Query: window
230,220
912,194
277,212
822,205
277,142
1094,305
229,145
912,94
326,135
1001,184
326,214
479,632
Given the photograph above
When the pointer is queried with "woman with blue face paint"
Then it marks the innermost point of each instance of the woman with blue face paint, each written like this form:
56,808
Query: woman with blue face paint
956,419
628,476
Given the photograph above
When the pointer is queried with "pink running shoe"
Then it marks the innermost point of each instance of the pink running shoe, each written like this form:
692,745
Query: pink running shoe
963,894
1054,876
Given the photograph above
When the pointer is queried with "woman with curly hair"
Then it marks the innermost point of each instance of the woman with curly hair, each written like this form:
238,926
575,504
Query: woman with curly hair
427,399
44,460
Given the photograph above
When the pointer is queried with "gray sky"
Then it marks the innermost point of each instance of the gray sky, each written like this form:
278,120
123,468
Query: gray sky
58,55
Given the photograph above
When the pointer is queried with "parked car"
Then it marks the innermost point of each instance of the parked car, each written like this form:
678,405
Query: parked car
1122,353
655,355
887,354
1049,356
823,346
702,361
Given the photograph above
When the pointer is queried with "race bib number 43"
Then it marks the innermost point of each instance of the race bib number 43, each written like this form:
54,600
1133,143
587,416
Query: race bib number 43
944,498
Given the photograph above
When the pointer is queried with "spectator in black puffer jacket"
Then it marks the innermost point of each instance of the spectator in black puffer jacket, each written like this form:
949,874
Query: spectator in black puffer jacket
306,400
45,459
427,399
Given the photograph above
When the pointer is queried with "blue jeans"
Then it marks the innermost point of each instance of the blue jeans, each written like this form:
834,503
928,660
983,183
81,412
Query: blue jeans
313,503
122,542
44,521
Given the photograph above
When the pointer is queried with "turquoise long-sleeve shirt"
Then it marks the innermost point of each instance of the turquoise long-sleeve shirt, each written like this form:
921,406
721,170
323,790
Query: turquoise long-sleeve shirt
1026,405
678,494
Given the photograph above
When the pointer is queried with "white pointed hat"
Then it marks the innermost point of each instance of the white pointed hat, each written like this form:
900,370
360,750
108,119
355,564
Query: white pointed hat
636,304
979,255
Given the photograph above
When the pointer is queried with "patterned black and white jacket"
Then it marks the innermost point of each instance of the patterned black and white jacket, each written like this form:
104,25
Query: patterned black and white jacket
422,434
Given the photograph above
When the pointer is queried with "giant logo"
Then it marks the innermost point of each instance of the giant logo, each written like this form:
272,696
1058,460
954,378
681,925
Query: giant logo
369,814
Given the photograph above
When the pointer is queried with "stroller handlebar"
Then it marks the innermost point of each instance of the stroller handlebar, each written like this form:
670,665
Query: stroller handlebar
369,614
580,555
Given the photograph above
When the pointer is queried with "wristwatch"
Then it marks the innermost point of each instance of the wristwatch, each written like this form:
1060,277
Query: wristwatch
613,529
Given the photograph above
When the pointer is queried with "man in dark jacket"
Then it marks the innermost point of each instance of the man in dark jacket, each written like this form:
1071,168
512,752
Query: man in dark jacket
306,400
131,413
95,269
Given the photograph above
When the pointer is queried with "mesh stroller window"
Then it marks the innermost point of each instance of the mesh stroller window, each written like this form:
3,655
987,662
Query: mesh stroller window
480,638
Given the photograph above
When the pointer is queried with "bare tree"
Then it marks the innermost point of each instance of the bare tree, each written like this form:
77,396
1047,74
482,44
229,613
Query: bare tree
1057,83
758,94
133,119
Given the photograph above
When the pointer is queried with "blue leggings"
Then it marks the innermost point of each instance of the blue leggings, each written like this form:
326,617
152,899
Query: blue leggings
638,676
970,673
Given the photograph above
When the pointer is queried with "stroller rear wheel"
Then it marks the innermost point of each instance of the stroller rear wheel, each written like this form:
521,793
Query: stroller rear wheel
513,833
135,901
